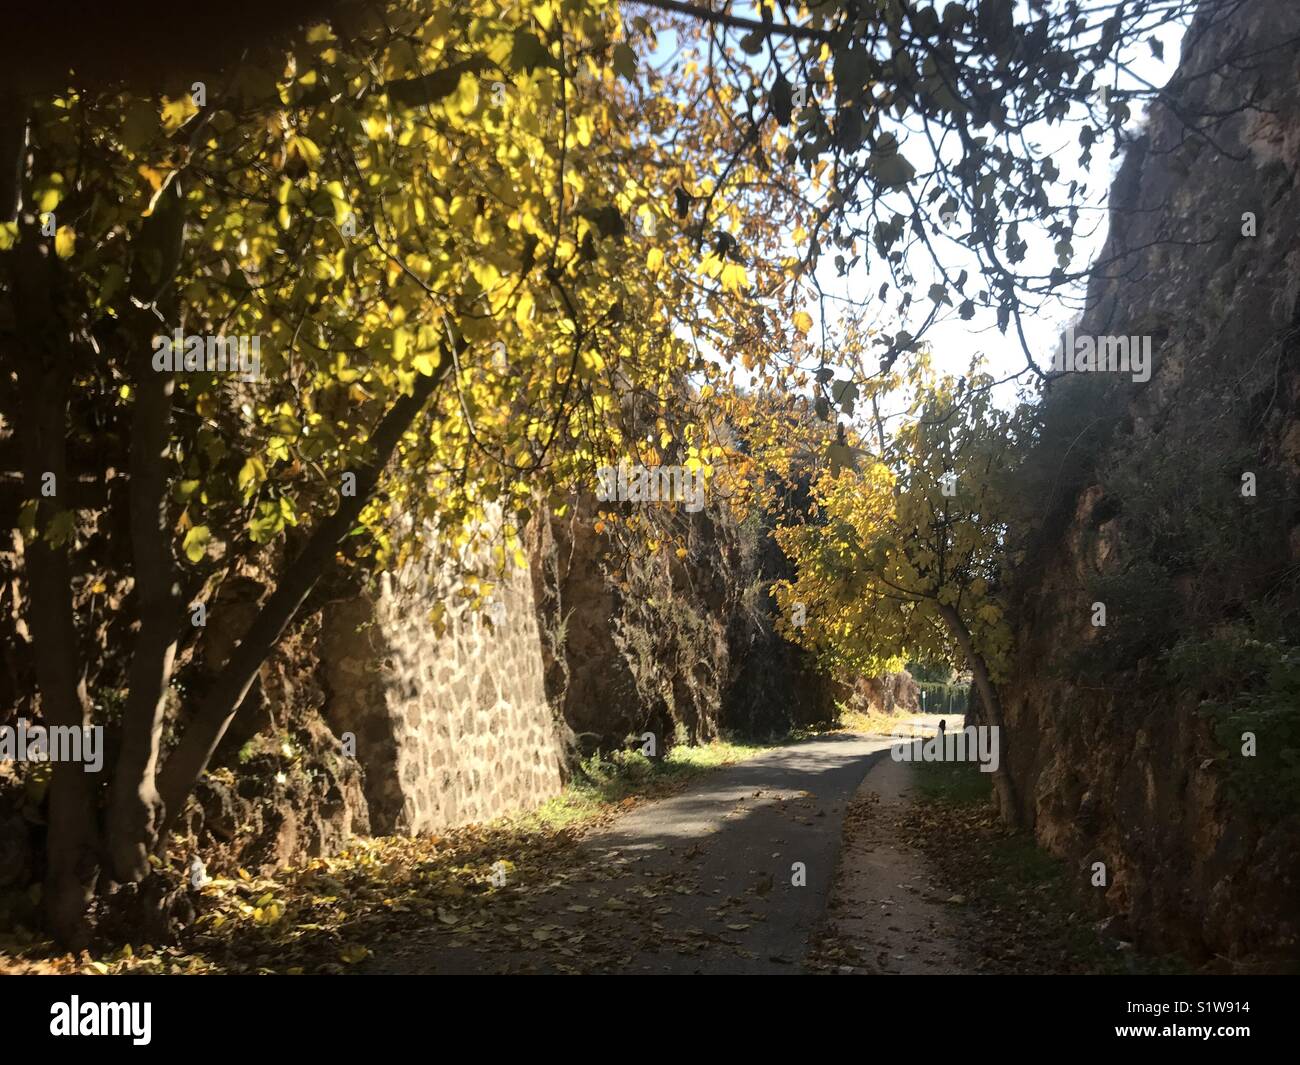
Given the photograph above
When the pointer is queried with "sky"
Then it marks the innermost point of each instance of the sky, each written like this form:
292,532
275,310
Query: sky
954,343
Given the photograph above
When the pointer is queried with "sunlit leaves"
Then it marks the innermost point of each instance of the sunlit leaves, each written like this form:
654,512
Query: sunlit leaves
65,242
195,544
463,191
895,538
49,191
175,113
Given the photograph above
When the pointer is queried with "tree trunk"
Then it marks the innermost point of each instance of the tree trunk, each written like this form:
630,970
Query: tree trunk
135,808
44,363
218,709
1002,783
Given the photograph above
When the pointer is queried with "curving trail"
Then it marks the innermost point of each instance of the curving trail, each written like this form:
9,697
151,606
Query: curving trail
701,882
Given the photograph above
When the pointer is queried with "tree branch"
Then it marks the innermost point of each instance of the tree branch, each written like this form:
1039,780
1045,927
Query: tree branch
218,709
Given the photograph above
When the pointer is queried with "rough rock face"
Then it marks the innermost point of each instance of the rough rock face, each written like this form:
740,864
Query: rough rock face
897,693
264,818
890,693
680,647
1146,513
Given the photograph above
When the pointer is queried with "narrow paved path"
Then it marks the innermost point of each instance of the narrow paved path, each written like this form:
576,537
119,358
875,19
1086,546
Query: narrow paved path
887,914
729,876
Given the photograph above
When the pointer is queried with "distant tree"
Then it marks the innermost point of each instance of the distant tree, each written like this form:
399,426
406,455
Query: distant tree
904,557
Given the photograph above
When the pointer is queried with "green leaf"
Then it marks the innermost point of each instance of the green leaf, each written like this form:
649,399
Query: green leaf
251,475
185,489
268,523
196,542
891,168
529,53
625,61
62,528
954,14
844,393
840,456
851,69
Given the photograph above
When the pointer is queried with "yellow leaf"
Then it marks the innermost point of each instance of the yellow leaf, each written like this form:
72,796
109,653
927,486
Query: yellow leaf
524,309
251,475
733,277
196,543
65,242
175,113
467,94
154,177
802,321
305,149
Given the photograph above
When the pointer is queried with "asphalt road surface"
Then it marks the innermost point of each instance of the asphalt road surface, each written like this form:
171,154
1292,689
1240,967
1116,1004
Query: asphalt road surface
730,875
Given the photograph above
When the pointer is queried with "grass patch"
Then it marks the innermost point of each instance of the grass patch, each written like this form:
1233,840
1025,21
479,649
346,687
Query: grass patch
878,724
608,780
959,783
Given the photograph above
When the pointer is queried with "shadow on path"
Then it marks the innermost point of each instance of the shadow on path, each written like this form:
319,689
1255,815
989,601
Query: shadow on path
700,882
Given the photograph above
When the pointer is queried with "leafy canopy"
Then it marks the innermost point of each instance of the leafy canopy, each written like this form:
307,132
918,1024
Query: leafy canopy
897,538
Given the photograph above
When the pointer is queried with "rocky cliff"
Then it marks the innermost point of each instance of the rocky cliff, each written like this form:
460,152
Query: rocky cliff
678,644
1163,742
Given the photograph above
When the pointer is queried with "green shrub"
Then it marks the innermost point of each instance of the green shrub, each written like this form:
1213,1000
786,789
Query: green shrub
944,698
1250,685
